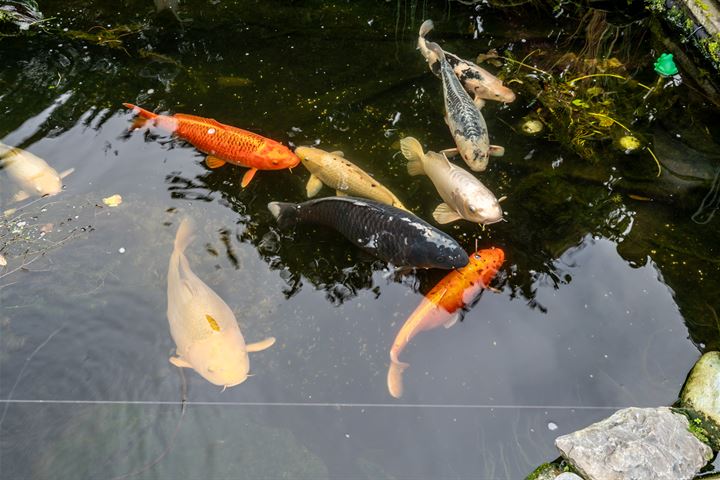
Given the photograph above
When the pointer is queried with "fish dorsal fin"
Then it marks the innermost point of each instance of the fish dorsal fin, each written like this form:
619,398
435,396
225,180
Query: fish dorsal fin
261,345
179,362
313,186
195,118
67,172
339,153
444,214
248,176
214,162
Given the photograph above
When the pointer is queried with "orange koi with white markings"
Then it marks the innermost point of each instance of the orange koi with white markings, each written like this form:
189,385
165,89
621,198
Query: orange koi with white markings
443,305
223,143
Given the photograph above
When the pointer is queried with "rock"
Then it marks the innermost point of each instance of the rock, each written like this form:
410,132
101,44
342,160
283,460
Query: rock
702,389
546,471
568,476
636,443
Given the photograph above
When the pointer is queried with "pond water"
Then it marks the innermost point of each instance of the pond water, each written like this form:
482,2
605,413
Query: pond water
605,300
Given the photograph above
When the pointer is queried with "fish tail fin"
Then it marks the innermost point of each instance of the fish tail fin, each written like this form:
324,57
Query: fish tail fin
426,27
394,378
184,235
412,150
435,48
142,116
286,214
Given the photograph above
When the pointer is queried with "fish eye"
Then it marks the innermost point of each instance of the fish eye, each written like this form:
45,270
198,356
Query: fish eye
473,209
476,256
275,162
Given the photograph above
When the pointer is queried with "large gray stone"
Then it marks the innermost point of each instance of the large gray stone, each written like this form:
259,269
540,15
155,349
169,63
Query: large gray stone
702,389
636,444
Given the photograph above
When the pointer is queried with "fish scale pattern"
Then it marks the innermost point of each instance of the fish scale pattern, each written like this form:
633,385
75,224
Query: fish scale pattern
461,110
212,138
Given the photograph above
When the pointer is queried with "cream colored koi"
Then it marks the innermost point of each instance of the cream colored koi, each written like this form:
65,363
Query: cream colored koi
32,174
346,178
205,331
465,196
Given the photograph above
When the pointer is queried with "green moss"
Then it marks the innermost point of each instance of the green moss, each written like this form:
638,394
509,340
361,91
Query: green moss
657,6
702,5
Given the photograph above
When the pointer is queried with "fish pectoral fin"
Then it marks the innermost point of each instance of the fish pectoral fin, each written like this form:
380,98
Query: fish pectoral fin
67,172
450,152
137,123
313,186
20,196
248,176
496,151
452,320
214,162
339,153
179,362
341,193
444,214
261,345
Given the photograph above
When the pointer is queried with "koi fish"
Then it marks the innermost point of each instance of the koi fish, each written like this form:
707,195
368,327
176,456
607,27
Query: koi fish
335,171
202,325
478,82
464,119
223,143
31,173
465,196
391,234
444,305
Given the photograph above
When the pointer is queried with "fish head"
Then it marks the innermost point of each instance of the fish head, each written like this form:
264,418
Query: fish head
483,210
495,91
47,183
486,263
277,157
221,360
438,252
312,158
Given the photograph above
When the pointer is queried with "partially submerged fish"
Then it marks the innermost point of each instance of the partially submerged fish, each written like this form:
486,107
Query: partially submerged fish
391,234
464,119
444,305
31,173
202,325
335,171
465,196
476,80
223,143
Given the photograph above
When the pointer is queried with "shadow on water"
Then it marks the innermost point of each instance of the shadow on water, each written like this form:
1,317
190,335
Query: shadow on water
346,78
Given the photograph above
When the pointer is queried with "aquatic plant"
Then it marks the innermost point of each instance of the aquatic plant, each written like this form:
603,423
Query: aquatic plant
584,115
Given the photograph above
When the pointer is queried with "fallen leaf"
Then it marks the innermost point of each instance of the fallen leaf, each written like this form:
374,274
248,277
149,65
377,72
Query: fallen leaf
113,201
3,262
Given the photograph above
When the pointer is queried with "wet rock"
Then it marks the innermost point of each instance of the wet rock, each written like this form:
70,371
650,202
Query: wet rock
636,443
546,471
568,476
702,389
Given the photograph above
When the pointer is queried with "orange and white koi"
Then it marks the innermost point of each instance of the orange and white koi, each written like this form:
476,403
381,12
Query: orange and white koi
444,305
223,143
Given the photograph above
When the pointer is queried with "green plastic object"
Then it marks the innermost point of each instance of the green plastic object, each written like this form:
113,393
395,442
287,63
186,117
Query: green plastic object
665,65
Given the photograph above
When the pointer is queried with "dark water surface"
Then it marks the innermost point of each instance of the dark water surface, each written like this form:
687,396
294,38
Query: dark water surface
604,301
